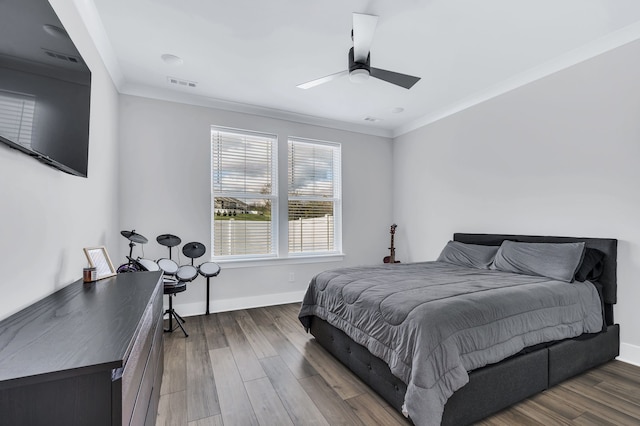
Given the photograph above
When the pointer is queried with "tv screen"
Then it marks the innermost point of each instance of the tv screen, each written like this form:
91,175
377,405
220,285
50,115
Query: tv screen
45,87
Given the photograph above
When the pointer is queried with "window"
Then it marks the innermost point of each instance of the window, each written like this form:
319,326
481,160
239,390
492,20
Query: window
246,223
244,193
314,191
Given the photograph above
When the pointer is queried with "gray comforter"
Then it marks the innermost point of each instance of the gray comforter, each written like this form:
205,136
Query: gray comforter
432,322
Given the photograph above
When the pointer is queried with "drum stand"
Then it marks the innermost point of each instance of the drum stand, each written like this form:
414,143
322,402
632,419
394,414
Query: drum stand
173,314
171,241
130,257
133,238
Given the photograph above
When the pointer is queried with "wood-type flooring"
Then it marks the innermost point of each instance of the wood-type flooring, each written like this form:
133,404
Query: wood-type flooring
259,367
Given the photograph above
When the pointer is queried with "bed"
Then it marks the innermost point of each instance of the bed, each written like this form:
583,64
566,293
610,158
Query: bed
541,358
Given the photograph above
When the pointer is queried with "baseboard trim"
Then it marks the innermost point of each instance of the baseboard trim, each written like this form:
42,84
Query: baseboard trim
224,305
629,353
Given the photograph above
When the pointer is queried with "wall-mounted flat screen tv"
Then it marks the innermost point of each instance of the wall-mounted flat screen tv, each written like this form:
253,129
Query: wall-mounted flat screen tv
45,87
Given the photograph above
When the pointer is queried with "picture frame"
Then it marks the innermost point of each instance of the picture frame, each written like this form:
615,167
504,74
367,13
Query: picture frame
99,258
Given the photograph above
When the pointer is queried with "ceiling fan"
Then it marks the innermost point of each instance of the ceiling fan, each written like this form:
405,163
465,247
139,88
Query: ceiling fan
359,58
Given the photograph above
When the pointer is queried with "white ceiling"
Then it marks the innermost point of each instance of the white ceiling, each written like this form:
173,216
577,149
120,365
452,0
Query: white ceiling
250,55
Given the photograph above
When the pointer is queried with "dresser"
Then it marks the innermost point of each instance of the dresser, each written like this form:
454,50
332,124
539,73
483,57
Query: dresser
88,354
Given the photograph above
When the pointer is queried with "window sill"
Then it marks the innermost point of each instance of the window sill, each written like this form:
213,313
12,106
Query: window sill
275,261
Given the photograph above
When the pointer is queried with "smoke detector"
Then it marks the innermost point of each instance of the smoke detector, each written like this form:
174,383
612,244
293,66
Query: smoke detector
182,83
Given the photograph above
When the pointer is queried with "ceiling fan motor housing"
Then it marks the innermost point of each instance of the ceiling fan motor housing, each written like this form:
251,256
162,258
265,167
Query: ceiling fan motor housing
358,72
353,65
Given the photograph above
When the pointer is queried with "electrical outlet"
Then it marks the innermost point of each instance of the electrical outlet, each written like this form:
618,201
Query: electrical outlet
292,277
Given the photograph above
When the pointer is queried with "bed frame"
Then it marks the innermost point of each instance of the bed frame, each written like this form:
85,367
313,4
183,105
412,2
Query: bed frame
496,386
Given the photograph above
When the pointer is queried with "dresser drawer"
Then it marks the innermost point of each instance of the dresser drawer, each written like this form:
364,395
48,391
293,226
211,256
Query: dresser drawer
133,370
148,377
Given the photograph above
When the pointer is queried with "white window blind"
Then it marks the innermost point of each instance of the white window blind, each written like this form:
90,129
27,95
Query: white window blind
17,113
314,189
244,193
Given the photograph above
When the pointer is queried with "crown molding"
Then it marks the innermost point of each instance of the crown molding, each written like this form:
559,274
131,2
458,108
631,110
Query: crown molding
92,21
208,102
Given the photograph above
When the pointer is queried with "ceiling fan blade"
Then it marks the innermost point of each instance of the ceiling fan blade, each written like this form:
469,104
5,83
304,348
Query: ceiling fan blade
322,80
402,80
364,26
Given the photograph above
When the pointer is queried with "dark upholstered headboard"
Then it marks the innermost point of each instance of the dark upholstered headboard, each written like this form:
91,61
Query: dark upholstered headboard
608,246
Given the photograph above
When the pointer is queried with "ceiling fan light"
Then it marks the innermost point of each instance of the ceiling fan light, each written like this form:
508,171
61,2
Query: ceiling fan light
359,75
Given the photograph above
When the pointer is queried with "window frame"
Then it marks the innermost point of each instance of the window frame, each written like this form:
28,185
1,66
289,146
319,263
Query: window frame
243,195
336,199
279,207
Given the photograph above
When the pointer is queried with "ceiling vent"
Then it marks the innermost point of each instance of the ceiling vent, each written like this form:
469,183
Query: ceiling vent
181,83
63,56
372,119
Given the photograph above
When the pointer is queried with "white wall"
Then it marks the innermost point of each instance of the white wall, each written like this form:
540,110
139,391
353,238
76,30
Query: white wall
49,216
560,156
165,188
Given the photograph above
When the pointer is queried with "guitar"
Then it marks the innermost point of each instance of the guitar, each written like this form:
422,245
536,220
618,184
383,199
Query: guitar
392,257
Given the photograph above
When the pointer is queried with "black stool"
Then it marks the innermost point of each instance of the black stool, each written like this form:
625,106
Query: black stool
171,288
184,275
172,285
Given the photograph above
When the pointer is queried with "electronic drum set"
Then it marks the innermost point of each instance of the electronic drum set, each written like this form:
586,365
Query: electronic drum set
175,277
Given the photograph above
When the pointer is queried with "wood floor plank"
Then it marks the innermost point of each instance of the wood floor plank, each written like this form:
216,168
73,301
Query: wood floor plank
234,402
622,369
621,386
257,340
512,417
597,395
371,413
591,419
174,378
298,404
172,409
606,376
293,309
556,405
541,414
202,398
209,421
586,404
622,390
284,318
290,312
296,362
215,336
332,407
261,317
245,357
585,379
266,403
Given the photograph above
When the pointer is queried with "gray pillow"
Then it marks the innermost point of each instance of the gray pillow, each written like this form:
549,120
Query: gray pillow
470,255
558,261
